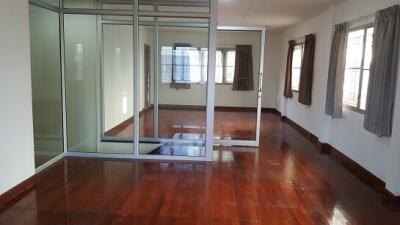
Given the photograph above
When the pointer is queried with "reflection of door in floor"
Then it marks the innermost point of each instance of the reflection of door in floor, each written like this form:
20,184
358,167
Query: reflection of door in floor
147,76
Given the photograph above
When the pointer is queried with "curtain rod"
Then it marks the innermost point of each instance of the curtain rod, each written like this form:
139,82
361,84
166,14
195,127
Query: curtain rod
361,18
301,39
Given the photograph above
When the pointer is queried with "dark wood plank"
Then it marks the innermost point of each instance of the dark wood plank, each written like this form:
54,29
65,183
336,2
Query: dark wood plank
285,182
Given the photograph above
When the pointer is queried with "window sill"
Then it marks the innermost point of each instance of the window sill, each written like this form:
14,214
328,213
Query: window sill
223,83
354,109
200,83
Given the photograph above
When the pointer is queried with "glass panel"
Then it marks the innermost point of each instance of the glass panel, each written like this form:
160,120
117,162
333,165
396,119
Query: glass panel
351,87
219,68
99,85
82,76
296,66
297,56
368,48
147,79
86,4
364,90
46,84
166,64
355,47
177,127
230,66
128,6
53,2
199,6
236,110
296,79
118,80
99,4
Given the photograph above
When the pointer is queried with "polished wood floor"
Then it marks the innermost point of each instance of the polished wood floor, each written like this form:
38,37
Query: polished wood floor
286,182
187,123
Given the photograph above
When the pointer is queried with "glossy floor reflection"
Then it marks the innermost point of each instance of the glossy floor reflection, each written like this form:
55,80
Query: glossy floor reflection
176,149
286,182
189,124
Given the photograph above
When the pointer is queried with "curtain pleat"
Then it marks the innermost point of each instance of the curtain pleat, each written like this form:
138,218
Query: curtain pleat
337,63
243,78
287,92
307,70
382,84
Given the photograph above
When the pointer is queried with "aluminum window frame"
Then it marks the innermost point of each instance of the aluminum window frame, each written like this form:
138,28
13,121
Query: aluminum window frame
301,60
357,28
224,52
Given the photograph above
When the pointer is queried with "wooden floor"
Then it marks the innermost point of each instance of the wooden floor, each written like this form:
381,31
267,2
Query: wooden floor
229,124
285,182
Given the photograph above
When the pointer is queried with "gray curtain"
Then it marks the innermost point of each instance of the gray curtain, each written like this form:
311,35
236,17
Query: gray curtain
382,84
307,71
288,92
243,78
337,63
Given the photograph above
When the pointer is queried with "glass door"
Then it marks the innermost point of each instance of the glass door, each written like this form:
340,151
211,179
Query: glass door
238,88
173,79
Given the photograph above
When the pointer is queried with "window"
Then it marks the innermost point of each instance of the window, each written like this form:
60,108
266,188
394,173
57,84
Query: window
358,62
225,70
189,65
166,64
184,64
296,66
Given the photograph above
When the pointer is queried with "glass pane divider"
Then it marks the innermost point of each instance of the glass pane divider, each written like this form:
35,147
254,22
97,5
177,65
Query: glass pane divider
45,5
212,51
156,77
63,80
136,80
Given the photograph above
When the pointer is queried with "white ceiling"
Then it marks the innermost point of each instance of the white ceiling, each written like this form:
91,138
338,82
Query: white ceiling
274,14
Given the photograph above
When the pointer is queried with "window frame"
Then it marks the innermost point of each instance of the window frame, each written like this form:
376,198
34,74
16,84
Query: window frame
364,27
299,43
224,65
203,80
224,52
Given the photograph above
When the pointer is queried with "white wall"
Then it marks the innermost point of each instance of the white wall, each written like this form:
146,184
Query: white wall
272,59
224,95
16,130
381,156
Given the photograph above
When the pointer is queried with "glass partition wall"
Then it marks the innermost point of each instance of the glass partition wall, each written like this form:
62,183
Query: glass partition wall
46,84
140,79
133,77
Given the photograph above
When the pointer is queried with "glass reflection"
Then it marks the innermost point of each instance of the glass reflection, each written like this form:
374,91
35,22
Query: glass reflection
174,81
236,110
46,84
